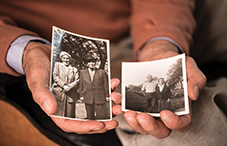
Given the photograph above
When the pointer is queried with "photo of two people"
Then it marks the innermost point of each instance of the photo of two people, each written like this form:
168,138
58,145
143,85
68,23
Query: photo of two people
80,76
154,86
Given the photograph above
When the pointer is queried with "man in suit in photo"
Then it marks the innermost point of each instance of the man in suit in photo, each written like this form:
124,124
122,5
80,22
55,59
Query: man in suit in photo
94,90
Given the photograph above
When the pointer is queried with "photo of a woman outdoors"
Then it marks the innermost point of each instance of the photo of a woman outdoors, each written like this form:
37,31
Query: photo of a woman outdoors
163,95
65,80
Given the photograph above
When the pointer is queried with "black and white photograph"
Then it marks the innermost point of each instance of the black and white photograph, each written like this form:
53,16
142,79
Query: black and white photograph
154,86
80,76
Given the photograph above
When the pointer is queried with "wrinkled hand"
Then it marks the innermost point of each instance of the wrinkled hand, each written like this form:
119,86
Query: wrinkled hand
196,81
36,64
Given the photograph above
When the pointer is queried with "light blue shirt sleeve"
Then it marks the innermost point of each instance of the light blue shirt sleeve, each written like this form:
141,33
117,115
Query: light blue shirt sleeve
15,53
163,38
167,39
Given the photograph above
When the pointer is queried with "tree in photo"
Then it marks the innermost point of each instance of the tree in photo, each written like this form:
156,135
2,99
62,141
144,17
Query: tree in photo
79,48
175,74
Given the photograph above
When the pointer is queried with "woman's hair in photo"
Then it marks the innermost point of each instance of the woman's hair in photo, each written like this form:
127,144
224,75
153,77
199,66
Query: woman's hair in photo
160,79
63,53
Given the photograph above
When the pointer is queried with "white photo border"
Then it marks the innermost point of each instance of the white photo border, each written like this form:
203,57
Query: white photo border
186,98
109,72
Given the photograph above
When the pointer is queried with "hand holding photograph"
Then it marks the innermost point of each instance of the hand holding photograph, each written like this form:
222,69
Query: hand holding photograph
154,86
80,76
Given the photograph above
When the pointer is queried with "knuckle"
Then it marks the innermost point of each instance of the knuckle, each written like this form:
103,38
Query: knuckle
190,59
185,128
161,133
151,128
186,124
35,92
83,132
144,133
66,130
164,135
34,87
100,132
204,80
138,129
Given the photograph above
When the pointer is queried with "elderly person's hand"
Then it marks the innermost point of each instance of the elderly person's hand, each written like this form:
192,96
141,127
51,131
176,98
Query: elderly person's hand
196,81
36,64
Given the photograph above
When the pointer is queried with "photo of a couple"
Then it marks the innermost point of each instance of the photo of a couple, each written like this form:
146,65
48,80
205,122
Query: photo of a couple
80,76
156,94
161,86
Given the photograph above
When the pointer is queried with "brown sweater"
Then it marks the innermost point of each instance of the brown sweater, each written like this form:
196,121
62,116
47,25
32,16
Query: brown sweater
110,19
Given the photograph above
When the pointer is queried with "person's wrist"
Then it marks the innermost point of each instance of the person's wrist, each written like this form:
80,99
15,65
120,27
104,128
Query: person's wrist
28,56
152,50
27,49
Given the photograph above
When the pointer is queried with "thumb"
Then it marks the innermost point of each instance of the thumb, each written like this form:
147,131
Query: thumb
36,64
196,79
41,93
46,100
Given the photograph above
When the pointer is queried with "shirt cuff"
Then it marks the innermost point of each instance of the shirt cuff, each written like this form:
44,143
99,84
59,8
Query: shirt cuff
15,53
163,38
167,39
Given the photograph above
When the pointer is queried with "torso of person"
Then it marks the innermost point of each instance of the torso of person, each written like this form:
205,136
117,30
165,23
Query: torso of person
149,87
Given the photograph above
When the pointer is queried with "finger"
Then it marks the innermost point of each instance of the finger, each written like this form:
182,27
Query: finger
109,125
131,118
116,109
114,83
41,92
174,122
36,63
44,98
79,127
116,97
85,127
196,79
152,126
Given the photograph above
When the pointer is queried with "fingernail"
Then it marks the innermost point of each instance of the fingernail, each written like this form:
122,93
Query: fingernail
196,91
47,106
143,122
166,118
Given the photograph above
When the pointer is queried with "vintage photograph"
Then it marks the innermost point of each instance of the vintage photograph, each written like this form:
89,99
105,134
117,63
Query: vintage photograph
80,76
155,86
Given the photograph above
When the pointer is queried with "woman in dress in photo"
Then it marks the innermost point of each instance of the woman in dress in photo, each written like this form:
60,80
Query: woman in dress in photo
65,86
163,94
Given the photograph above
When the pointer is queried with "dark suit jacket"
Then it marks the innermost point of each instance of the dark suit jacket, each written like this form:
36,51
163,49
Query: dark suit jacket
97,90
165,94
